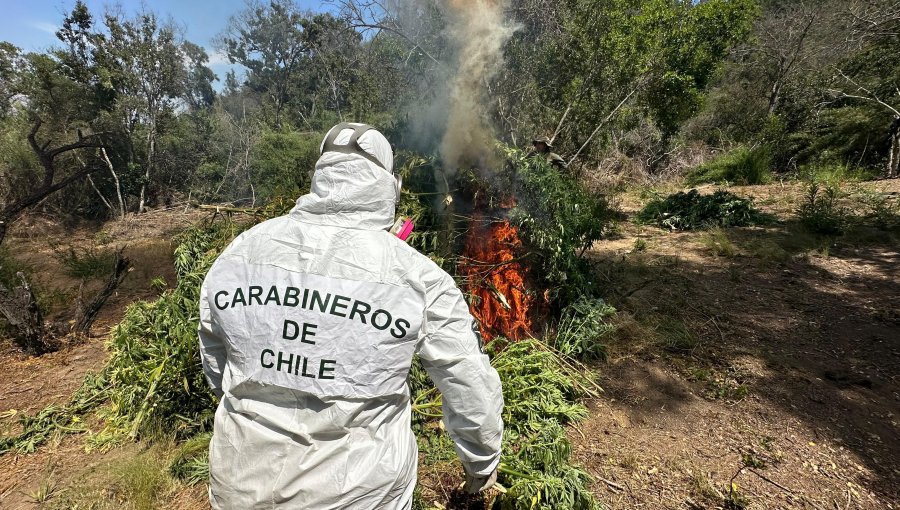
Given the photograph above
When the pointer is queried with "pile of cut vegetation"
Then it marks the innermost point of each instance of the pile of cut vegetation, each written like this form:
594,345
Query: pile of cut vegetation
692,211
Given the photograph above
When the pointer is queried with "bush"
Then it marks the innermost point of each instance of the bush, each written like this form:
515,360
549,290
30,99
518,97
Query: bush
691,210
742,166
820,213
282,162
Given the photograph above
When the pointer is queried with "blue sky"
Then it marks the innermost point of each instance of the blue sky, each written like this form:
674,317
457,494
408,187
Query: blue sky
30,24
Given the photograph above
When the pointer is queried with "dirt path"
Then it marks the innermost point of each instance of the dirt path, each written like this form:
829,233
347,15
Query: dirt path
764,358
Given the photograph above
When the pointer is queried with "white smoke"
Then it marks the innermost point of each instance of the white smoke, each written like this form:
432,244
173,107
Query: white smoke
478,29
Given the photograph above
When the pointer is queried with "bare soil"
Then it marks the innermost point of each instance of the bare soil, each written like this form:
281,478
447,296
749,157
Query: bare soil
759,374
31,383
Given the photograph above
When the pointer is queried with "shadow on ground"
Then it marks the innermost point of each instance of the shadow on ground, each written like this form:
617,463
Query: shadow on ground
808,325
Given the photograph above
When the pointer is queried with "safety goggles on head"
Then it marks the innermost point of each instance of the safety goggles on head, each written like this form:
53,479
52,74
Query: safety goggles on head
352,146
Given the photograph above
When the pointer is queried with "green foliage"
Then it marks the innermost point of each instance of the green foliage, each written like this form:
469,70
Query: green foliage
741,166
9,266
56,420
671,48
883,212
581,328
820,212
691,210
191,462
541,396
86,263
282,162
558,221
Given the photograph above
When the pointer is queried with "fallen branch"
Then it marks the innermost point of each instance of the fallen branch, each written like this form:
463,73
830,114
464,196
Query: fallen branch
87,315
254,211
611,484
604,121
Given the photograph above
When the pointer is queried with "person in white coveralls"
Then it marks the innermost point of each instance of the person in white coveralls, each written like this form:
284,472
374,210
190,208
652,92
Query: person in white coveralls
308,327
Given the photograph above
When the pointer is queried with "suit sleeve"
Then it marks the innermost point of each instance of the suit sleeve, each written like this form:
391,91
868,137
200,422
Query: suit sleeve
212,347
451,352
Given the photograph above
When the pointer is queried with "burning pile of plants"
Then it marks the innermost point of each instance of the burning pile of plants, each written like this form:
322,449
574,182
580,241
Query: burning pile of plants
517,261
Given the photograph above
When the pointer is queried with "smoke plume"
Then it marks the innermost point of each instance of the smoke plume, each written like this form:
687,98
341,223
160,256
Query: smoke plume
478,29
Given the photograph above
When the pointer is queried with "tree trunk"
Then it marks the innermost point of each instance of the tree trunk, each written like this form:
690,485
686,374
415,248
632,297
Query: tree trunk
893,168
21,310
151,148
118,184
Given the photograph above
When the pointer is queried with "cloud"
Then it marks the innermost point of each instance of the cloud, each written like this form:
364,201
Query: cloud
44,26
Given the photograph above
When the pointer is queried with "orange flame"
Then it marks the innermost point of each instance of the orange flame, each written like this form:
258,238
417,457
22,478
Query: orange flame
495,280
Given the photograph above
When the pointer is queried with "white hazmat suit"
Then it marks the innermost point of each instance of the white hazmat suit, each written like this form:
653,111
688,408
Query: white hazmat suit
308,326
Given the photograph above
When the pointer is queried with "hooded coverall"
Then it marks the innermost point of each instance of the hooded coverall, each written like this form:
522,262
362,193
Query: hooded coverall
308,326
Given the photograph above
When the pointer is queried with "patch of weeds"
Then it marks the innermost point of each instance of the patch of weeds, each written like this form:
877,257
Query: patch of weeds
835,173
699,374
751,460
768,251
436,448
702,488
158,284
725,388
717,242
880,210
629,462
640,245
139,481
191,462
45,491
820,212
143,479
582,326
103,237
735,500
743,166
691,211
87,264
9,266
675,336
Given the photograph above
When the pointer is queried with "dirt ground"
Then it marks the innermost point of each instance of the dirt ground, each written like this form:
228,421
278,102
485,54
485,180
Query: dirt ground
29,384
753,367
758,370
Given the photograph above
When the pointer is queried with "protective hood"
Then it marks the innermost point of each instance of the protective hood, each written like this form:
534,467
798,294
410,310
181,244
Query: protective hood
349,190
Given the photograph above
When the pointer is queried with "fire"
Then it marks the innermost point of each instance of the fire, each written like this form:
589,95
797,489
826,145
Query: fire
496,280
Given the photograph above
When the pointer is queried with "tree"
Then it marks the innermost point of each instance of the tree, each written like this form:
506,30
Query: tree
198,88
10,64
268,41
141,63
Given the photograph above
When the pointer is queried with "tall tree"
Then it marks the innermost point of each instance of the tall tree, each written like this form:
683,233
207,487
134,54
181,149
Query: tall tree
268,41
145,67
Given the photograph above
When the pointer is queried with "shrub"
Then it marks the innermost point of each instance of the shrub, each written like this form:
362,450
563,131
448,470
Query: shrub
881,211
717,242
281,163
820,212
742,166
691,210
